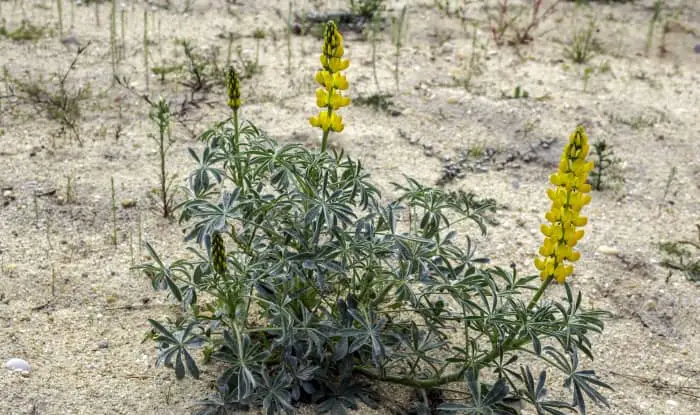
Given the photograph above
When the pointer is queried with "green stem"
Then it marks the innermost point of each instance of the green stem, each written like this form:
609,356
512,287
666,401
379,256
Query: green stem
235,131
163,177
236,134
539,292
324,141
441,380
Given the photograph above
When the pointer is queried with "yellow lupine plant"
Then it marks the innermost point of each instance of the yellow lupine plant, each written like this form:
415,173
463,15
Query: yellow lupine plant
570,195
328,96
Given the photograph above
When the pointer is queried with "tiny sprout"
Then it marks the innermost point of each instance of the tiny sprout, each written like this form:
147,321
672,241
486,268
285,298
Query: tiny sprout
259,34
160,115
606,164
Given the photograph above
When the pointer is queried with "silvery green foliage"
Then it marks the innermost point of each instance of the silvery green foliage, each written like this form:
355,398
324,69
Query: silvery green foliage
330,289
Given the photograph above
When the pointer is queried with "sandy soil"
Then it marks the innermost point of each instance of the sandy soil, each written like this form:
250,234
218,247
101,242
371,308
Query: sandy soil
71,307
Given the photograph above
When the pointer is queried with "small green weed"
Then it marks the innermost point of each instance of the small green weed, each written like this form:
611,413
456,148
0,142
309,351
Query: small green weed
607,166
162,71
398,30
366,9
381,102
582,46
684,256
160,115
518,93
60,103
474,66
26,32
655,17
199,69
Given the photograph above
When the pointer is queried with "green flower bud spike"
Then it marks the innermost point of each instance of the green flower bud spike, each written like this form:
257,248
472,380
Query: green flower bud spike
233,89
218,254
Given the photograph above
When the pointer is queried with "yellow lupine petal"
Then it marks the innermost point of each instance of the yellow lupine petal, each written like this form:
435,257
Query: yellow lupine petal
336,123
321,98
539,263
339,101
574,256
339,81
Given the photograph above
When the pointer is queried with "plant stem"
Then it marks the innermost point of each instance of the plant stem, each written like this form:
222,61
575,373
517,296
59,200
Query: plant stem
257,53
324,141
122,47
375,29
59,4
114,213
445,379
236,148
145,46
163,178
289,39
113,40
72,15
539,292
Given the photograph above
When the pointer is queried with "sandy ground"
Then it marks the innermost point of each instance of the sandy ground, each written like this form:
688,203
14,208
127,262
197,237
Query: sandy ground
71,307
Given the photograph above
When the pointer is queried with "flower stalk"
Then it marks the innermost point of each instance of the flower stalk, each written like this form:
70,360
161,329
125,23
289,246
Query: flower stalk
328,96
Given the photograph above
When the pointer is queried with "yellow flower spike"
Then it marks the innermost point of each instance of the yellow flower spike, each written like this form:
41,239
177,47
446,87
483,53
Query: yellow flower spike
568,197
332,82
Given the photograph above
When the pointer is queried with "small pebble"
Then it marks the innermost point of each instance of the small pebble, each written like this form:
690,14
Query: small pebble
18,365
103,344
608,250
671,402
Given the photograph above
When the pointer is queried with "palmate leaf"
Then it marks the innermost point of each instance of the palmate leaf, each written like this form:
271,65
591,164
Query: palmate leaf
471,207
211,217
302,375
274,391
174,345
368,334
577,323
199,179
327,210
244,358
536,393
223,402
420,343
344,395
356,183
483,400
163,275
279,163
583,382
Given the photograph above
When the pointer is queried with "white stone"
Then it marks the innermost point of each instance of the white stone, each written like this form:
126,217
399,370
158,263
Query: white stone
608,250
18,365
